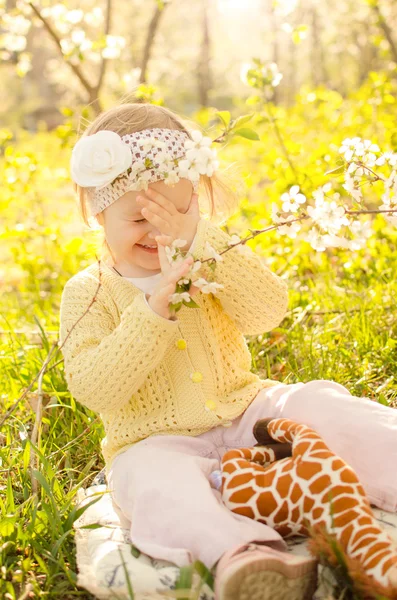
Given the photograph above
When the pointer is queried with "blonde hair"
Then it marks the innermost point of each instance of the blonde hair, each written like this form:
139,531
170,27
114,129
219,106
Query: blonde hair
215,192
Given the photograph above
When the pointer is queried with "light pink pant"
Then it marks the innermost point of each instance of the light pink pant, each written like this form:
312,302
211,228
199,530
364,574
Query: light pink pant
161,483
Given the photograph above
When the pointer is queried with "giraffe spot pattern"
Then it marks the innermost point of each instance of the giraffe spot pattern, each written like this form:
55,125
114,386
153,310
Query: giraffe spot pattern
313,487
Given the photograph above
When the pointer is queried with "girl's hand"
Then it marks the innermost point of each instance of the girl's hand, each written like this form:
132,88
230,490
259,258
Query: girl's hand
162,213
172,273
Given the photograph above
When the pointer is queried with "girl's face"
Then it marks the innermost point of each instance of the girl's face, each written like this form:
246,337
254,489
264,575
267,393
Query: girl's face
126,229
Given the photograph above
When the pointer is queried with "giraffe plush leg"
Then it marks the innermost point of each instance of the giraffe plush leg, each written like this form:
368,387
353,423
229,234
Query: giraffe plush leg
313,487
248,488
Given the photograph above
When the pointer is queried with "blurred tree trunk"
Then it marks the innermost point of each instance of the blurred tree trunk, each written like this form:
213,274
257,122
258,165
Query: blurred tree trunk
317,59
290,81
275,50
203,67
38,95
150,38
92,89
384,26
368,51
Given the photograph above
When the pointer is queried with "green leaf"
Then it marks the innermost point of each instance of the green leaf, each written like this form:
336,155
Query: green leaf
127,576
175,307
191,304
224,116
242,120
184,581
134,551
76,513
10,496
92,526
7,526
247,133
212,265
204,573
383,400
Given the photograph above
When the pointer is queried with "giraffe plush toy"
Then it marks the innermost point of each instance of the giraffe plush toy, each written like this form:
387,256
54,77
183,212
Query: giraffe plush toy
312,487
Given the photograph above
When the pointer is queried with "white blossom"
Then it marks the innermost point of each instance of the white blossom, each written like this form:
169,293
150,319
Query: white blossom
315,240
171,177
199,159
361,231
95,17
74,16
328,215
387,157
198,140
207,287
179,297
350,187
114,45
234,240
363,149
195,267
209,250
289,230
292,199
13,43
178,243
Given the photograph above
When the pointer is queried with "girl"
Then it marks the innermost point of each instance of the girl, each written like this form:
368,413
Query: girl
175,391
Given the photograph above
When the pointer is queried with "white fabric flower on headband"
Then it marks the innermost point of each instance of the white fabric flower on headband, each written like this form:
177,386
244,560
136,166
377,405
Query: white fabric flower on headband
97,159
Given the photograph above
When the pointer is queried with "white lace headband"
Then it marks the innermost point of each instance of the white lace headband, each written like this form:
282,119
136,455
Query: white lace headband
109,165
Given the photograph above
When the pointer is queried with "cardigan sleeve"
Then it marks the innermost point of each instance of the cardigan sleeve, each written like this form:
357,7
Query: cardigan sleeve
105,364
254,297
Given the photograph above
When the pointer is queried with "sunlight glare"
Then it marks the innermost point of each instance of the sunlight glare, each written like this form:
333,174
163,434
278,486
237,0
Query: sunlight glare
283,7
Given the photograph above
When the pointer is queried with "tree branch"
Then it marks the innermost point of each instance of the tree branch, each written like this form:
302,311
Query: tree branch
90,89
151,33
104,63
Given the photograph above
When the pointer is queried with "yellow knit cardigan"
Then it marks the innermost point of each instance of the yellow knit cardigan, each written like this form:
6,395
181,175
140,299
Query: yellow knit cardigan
147,375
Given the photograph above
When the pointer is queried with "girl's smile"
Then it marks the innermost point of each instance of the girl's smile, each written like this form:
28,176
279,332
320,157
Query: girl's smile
148,250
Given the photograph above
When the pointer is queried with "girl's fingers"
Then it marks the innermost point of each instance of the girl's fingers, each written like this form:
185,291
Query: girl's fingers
156,220
162,257
177,273
163,240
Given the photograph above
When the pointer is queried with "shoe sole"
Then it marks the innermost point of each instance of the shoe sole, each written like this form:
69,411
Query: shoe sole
268,579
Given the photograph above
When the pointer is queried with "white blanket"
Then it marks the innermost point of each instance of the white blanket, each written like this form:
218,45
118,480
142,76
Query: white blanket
102,550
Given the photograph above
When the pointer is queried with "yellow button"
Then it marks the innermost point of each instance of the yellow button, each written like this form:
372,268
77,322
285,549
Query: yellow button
196,377
210,405
227,424
181,344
